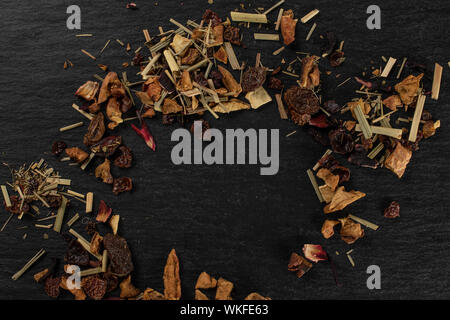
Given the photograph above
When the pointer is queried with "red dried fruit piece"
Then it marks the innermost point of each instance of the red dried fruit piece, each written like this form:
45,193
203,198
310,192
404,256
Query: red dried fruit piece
314,252
15,205
302,103
107,146
94,286
253,78
103,212
341,141
145,134
58,147
125,159
122,184
288,27
275,84
52,286
96,130
319,121
54,201
392,211
298,264
76,254
211,16
231,34
119,255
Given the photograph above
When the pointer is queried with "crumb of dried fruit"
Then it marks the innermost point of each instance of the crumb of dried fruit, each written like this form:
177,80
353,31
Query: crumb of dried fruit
77,293
330,179
200,295
408,89
96,130
392,211
205,281
350,230
38,277
275,84
172,284
342,199
398,160
310,76
151,294
94,286
298,264
52,286
190,57
88,91
301,102
114,223
123,184
211,16
224,288
103,171
125,159
341,141
231,34
288,27
96,243
76,154
76,254
253,78
393,102
119,255
58,147
171,106
314,252
15,205
328,228
429,128
256,296
127,289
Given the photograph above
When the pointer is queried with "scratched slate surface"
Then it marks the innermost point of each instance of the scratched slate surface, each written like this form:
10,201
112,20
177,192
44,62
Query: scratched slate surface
229,220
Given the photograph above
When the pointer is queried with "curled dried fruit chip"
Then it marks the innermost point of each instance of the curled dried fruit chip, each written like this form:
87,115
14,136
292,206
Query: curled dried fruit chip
224,288
327,193
172,283
398,160
393,102
221,55
103,212
314,252
328,228
288,27
96,130
171,106
200,295
114,113
392,211
88,91
94,286
256,296
103,171
298,264
205,281
229,82
180,44
151,294
330,179
76,154
185,83
310,76
190,56
232,105
408,89
429,128
119,255
350,230
342,199
122,184
96,243
127,289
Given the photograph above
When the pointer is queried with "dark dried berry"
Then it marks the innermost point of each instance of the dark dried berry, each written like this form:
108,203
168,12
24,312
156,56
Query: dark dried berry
119,255
122,184
231,34
341,142
393,211
200,79
15,205
125,159
168,119
58,147
253,78
331,106
319,122
359,157
275,84
52,286
319,136
96,130
210,15
112,281
76,254
216,77
301,102
54,201
138,59
94,286
91,227
336,58
426,116
107,146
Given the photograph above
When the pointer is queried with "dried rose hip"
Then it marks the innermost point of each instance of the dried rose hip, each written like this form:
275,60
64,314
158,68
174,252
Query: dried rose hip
54,201
231,34
301,102
125,158
341,142
122,184
107,146
58,147
119,255
393,211
275,84
253,78
96,130
210,15
52,286
359,158
94,286
15,205
76,254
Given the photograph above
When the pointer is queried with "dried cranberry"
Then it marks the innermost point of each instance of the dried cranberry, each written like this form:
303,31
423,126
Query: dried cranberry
392,211
341,142
216,77
94,286
125,159
122,184
76,254
58,147
52,286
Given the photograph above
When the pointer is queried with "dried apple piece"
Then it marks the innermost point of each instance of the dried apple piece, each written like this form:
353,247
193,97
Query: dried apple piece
221,55
127,289
429,128
153,88
310,77
393,102
350,230
342,199
171,106
330,179
256,296
224,288
327,193
229,82
328,228
185,83
288,27
76,154
232,105
113,113
172,283
398,160
180,44
205,281
111,86
408,89
200,295
114,223
103,171
151,294
298,264
191,56
88,91
96,243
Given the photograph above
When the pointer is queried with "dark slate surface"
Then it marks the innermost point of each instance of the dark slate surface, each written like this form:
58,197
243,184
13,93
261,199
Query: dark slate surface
229,220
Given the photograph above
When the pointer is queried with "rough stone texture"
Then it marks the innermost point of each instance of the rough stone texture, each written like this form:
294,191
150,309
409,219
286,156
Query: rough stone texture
229,220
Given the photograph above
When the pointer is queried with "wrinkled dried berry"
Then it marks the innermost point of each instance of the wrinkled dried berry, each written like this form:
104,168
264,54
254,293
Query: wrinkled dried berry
122,184
94,286
359,157
119,255
331,106
54,201
96,130
52,286
58,147
76,254
138,59
91,227
393,211
275,84
253,78
216,77
301,102
426,116
107,146
341,142
231,34
125,159
200,79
